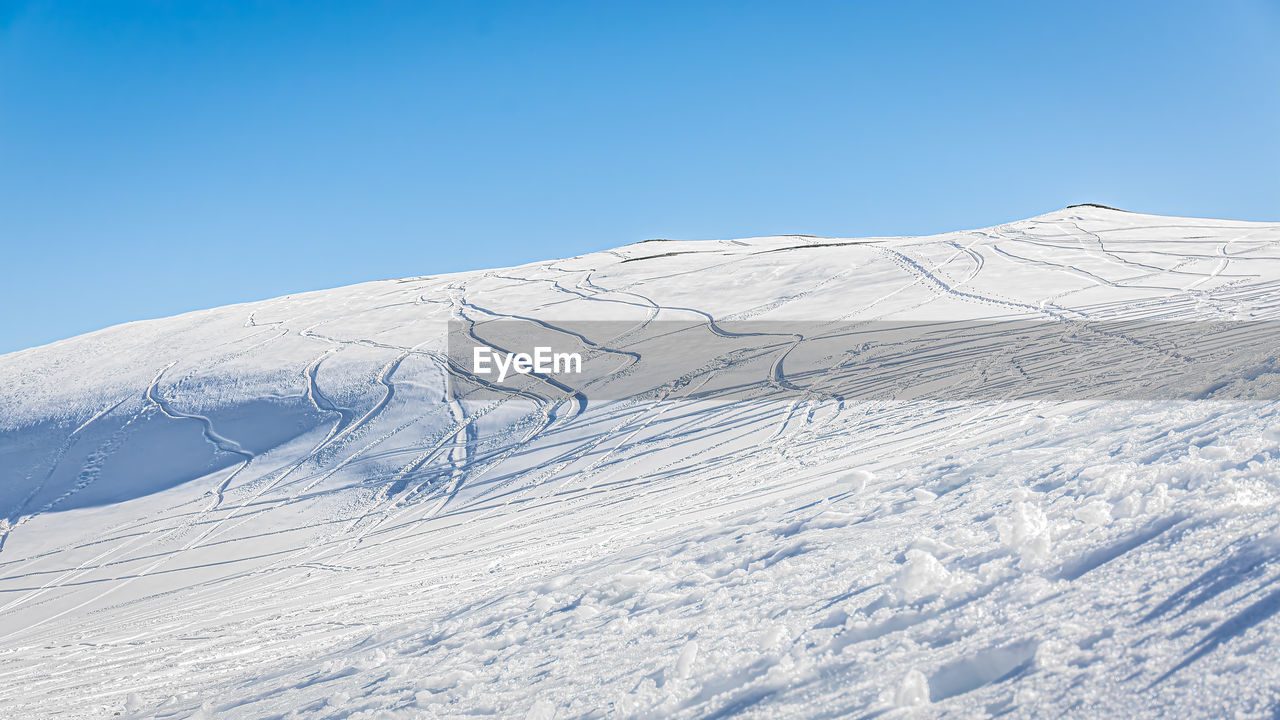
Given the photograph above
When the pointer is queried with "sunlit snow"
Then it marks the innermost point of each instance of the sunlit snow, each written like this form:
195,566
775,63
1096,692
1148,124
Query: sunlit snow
277,509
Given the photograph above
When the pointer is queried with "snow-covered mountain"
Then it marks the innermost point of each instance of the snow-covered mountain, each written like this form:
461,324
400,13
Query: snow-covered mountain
288,507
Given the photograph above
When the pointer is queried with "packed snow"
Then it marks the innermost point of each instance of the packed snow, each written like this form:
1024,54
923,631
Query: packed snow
279,509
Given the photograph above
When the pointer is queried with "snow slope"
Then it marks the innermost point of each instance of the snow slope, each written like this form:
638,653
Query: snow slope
277,509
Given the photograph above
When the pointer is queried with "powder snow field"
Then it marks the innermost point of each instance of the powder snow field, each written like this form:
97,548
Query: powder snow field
275,509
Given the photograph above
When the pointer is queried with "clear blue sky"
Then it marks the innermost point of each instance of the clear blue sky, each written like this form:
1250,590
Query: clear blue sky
159,157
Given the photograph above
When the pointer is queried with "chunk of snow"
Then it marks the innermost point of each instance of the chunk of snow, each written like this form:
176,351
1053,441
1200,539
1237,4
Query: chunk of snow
921,576
1157,500
773,637
684,663
1027,532
1053,655
1128,507
857,479
1093,512
541,710
913,691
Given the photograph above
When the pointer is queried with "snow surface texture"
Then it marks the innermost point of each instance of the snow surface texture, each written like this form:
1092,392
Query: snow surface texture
274,509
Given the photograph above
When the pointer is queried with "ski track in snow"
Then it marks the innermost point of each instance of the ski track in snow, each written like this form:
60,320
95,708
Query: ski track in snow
363,544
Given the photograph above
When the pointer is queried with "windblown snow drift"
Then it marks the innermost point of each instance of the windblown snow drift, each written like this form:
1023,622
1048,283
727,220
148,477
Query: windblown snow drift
776,489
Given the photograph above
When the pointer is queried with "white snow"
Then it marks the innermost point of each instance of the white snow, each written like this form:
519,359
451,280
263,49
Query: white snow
276,509
913,691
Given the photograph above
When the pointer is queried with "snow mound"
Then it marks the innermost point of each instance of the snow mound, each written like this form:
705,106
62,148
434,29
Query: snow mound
287,508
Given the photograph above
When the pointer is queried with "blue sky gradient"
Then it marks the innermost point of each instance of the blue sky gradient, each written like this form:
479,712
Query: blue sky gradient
159,157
